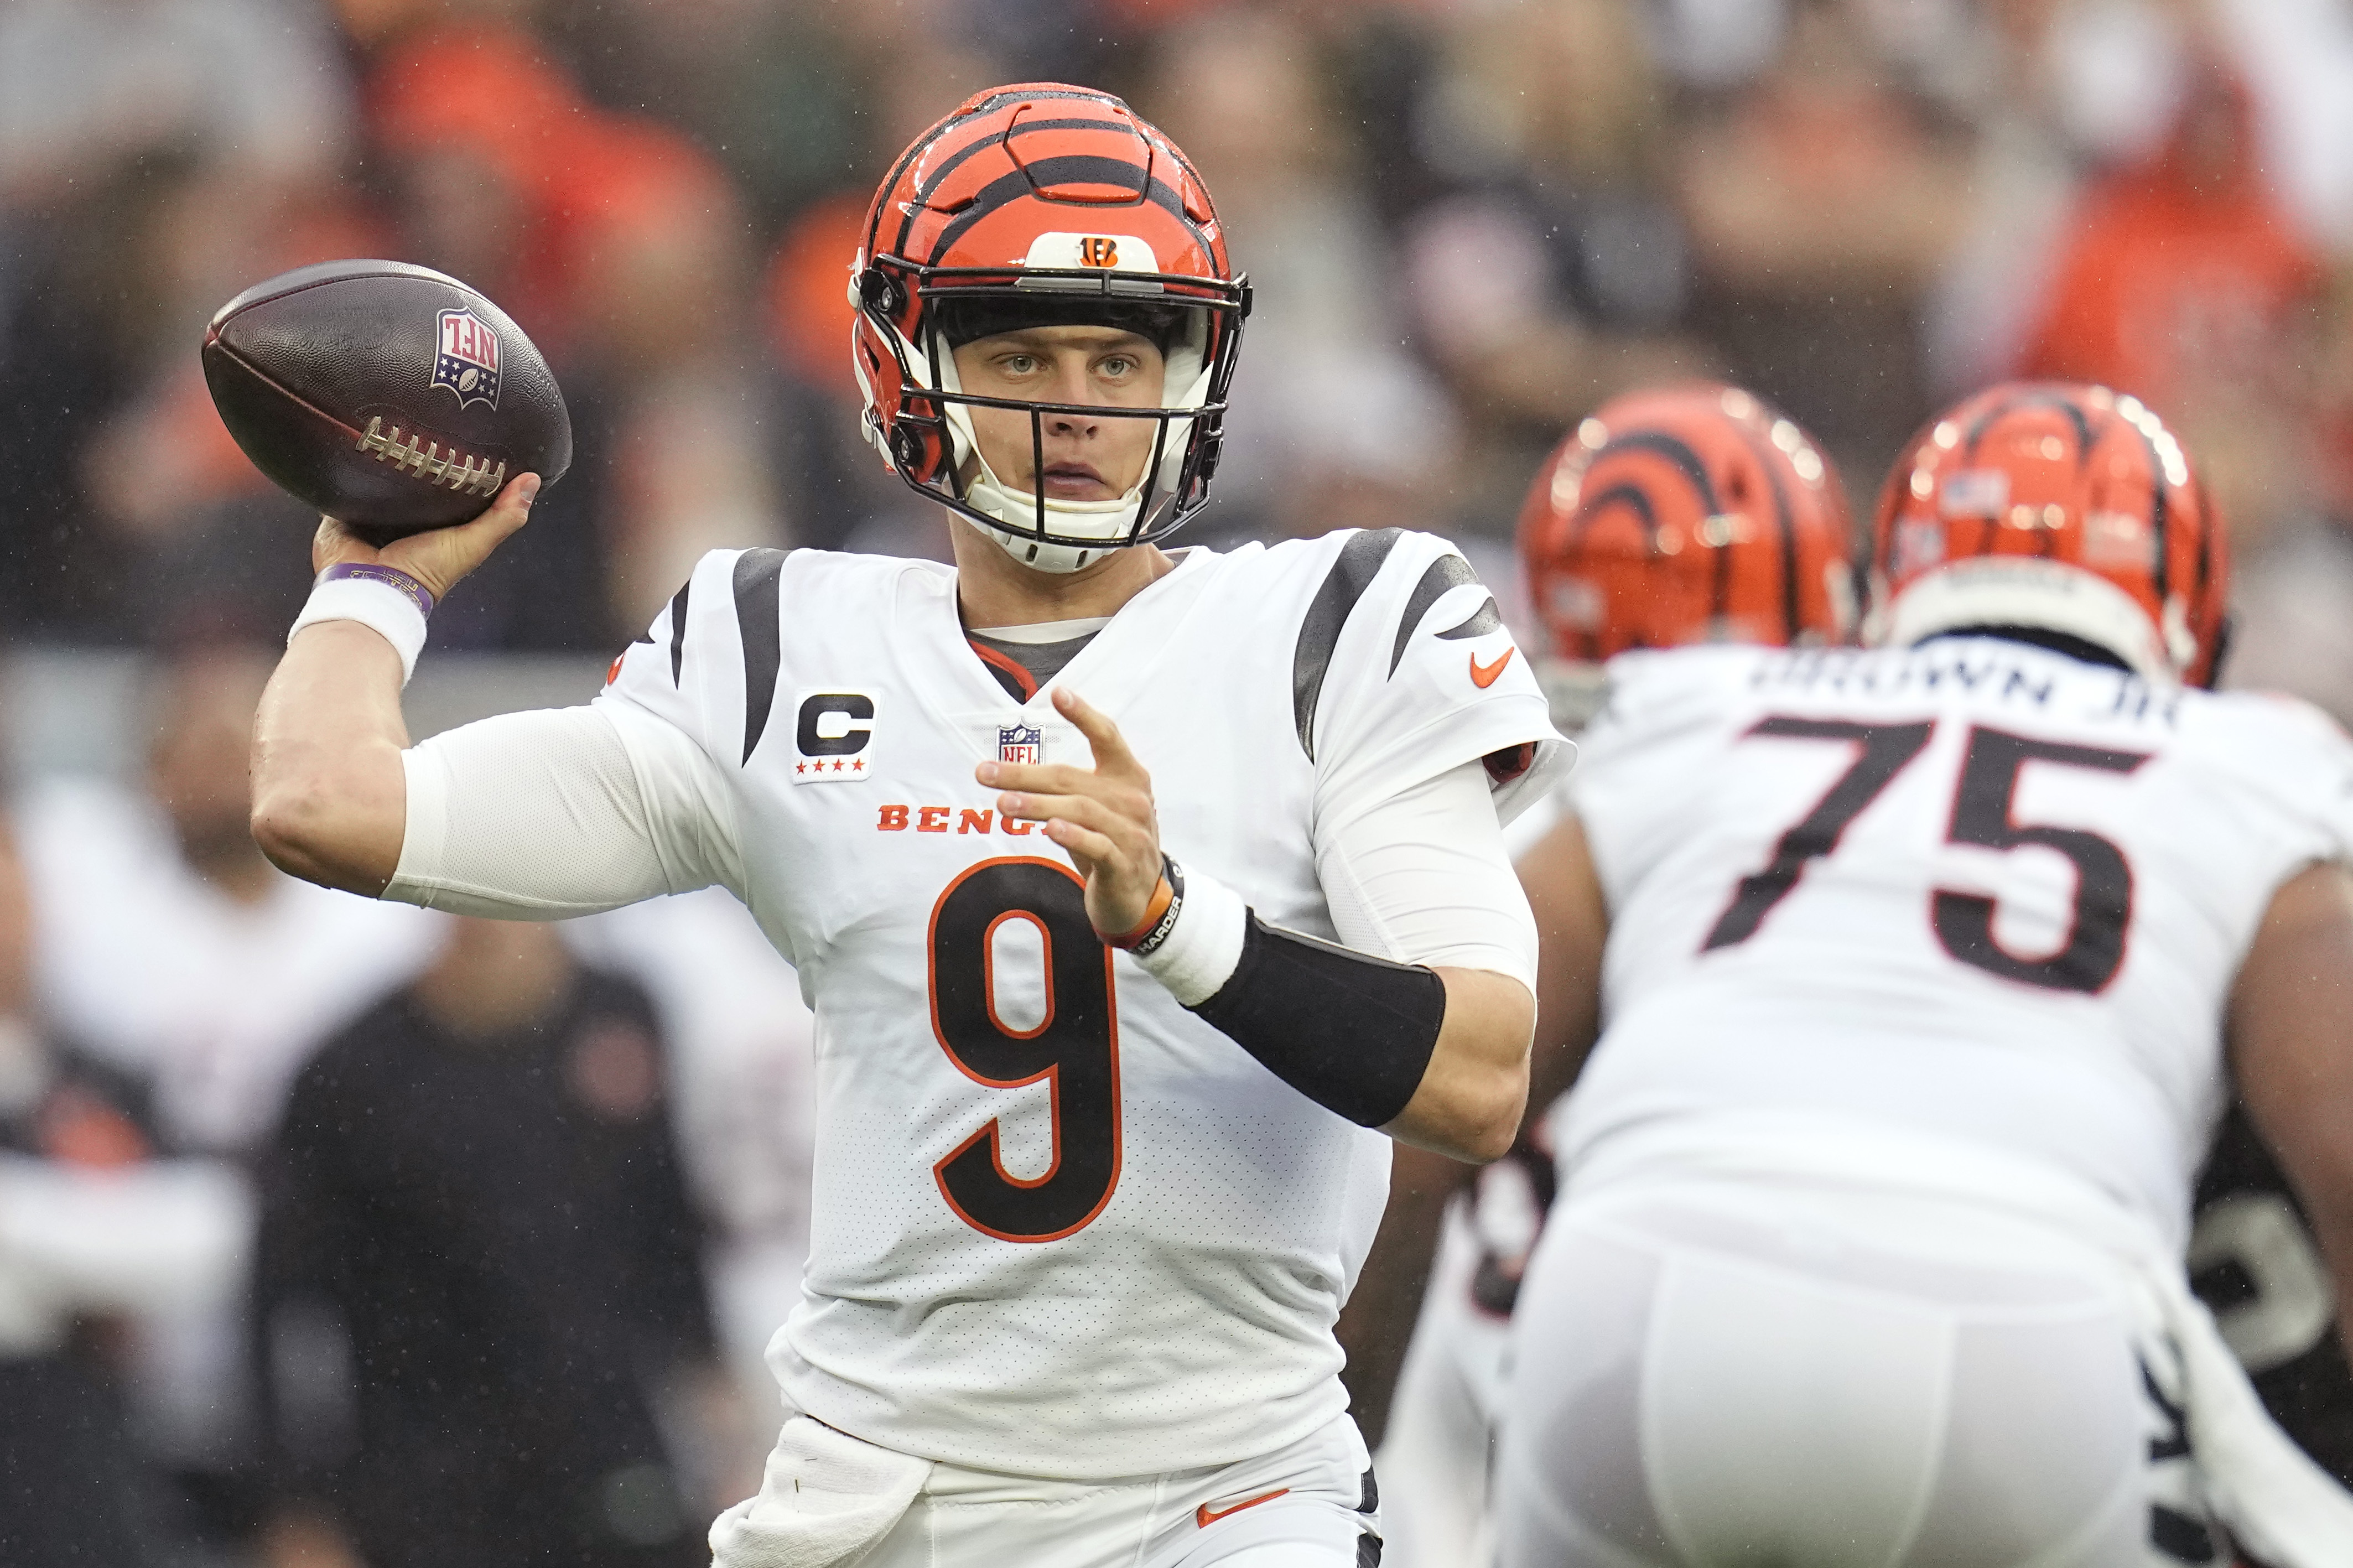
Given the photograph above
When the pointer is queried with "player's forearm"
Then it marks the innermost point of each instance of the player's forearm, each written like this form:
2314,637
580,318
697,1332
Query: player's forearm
329,797
1468,1104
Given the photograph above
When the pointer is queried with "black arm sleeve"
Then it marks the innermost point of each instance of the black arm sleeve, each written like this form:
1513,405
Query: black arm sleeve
1351,1032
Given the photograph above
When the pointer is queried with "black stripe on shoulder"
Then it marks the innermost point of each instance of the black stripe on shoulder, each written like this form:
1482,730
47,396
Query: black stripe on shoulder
1449,571
1486,618
677,631
758,624
1360,560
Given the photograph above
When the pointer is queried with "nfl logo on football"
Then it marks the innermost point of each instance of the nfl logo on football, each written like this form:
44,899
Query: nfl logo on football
1020,743
468,359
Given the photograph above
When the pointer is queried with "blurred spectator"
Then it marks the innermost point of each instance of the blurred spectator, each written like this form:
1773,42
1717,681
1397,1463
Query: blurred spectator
1822,196
617,244
742,1098
180,957
843,495
170,945
155,156
475,130
92,1228
88,84
477,1279
660,280
2037,126
2182,280
2297,55
1550,269
2291,628
1323,392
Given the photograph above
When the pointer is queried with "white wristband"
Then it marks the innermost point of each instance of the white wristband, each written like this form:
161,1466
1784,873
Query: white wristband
379,606
1199,953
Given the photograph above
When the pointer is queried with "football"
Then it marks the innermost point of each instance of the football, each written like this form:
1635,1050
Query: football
388,395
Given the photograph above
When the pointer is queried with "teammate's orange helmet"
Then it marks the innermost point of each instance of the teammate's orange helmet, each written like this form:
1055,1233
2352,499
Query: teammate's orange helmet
1690,514
2060,507
1030,204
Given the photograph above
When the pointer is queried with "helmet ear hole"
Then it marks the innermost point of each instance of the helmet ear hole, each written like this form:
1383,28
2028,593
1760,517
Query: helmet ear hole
880,292
906,446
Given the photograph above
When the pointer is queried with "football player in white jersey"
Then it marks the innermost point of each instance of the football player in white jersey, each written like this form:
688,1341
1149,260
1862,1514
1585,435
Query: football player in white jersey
1103,1059
1673,516
1926,971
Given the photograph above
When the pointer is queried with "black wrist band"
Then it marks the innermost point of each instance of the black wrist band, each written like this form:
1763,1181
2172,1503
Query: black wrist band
1351,1032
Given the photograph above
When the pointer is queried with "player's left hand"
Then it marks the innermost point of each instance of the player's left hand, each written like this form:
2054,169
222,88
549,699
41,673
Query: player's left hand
1104,818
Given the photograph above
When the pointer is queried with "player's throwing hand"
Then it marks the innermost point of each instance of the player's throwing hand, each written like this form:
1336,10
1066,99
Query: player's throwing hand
440,556
1104,818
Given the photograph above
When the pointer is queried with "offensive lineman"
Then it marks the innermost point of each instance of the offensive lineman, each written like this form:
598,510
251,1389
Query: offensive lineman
1673,516
1094,1168
1922,966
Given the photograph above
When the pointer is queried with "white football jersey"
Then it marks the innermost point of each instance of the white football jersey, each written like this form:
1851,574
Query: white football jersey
1972,887
1060,1226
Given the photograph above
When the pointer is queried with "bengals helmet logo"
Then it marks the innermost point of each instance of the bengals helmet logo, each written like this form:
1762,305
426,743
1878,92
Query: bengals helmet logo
1686,514
1098,250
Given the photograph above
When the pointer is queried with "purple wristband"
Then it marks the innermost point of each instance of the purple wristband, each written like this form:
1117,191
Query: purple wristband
408,586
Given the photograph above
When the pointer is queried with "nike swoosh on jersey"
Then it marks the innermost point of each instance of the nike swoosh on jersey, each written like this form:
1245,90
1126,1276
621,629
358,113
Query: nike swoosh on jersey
1483,676
1205,1517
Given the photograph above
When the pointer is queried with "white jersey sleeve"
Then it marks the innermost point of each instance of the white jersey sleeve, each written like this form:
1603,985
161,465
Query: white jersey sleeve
565,812
1424,878
561,812
1405,669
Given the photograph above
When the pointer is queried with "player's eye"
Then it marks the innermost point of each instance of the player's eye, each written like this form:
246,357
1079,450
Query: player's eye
1018,365
1117,365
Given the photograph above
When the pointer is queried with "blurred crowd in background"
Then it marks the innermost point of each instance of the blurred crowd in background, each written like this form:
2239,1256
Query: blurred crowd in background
1469,222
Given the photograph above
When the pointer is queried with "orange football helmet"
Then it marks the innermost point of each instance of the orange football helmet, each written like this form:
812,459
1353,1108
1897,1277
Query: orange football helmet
1688,514
2059,508
1032,204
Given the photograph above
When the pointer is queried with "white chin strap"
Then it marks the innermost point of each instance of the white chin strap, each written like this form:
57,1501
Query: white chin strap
1111,521
2051,596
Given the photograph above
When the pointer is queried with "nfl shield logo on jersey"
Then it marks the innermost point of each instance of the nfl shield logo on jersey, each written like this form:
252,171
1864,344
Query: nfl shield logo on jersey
468,359
1020,743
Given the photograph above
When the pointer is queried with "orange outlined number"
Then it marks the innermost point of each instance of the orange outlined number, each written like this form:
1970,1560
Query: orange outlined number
1095,250
1074,1048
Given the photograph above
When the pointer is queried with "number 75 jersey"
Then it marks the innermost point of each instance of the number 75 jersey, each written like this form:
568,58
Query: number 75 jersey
1972,887
1060,1226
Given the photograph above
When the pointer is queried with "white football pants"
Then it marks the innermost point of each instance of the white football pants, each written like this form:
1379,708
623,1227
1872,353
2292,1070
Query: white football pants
828,1499
1710,1374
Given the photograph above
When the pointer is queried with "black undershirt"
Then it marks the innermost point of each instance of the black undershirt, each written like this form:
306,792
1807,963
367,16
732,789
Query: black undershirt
1022,667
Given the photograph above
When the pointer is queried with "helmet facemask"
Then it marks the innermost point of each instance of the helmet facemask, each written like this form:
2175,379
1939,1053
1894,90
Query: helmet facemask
931,441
